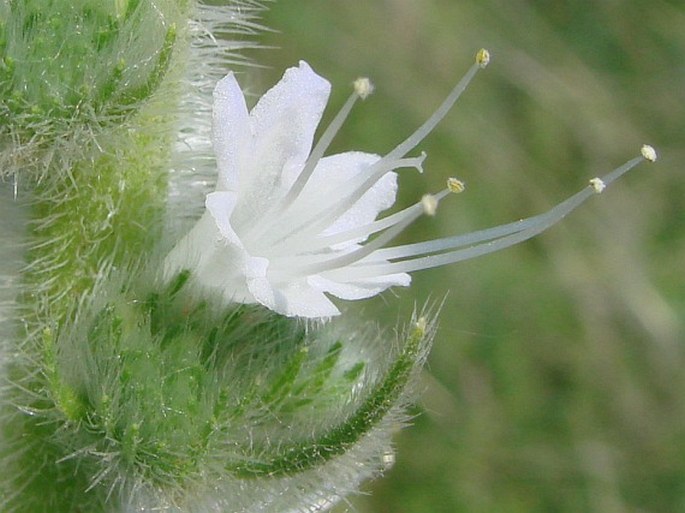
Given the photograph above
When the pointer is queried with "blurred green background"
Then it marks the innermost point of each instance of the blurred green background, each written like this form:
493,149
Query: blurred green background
557,380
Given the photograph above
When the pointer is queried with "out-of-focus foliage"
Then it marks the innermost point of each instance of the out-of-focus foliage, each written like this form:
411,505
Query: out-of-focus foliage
556,381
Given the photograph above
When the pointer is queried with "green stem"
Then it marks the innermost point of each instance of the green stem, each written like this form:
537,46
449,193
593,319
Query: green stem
105,211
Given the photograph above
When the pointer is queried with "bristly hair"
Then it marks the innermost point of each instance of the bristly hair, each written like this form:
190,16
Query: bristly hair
62,89
220,35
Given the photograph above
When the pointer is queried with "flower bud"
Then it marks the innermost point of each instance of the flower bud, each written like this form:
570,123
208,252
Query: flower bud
68,68
165,401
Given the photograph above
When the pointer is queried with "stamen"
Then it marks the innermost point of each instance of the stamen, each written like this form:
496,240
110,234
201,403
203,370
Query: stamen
468,239
363,87
361,90
457,241
321,146
429,204
362,183
648,152
410,215
486,241
455,185
374,227
597,184
364,251
326,216
389,162
482,59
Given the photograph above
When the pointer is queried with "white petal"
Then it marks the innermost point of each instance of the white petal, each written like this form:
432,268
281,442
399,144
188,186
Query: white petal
222,269
216,263
231,135
192,247
283,123
286,117
257,282
225,262
337,172
293,299
360,289
220,205
333,181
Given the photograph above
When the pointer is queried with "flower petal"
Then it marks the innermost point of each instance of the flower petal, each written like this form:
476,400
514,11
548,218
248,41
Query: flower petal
258,284
221,204
191,248
283,123
296,298
337,171
360,289
216,263
286,117
231,135
327,189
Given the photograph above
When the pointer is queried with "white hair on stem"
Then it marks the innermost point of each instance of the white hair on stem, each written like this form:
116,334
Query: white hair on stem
219,36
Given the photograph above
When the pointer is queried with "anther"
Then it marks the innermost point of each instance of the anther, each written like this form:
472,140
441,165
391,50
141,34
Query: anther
482,58
363,87
455,185
648,152
598,185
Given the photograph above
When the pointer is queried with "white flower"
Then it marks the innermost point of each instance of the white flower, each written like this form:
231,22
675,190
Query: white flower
286,226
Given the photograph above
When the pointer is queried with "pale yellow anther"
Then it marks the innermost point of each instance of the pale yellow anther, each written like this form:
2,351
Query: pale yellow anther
482,57
429,204
422,324
598,185
455,185
648,152
363,87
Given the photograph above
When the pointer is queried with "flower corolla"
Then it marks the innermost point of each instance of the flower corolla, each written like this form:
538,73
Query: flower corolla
287,226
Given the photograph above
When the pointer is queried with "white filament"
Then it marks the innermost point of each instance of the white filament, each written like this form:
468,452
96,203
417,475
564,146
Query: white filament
307,227
393,160
436,253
